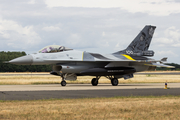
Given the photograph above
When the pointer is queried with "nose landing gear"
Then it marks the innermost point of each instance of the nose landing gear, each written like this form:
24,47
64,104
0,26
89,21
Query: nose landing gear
63,82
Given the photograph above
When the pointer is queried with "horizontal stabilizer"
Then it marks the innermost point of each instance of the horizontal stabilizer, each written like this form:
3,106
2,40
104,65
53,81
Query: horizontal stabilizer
160,65
164,59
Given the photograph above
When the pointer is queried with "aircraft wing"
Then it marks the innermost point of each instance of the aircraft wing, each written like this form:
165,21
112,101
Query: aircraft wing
113,62
76,60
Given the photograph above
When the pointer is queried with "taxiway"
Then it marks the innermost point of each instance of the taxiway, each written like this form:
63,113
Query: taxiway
34,92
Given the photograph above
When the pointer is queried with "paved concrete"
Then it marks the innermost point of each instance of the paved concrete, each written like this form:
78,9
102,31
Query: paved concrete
34,92
48,87
35,95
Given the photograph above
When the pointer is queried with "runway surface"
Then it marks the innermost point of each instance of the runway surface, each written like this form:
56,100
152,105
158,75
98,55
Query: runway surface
34,92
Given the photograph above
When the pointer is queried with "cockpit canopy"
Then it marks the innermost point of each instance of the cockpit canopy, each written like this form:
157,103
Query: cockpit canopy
53,48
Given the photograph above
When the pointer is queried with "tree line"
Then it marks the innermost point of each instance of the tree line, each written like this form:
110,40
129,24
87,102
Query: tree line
6,67
177,67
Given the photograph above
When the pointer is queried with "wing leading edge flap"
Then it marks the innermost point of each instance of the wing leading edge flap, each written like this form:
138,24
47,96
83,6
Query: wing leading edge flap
160,65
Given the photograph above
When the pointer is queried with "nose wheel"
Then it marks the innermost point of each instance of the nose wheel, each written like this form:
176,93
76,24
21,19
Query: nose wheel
63,83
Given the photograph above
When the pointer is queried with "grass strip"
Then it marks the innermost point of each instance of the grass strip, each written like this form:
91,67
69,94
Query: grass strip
119,107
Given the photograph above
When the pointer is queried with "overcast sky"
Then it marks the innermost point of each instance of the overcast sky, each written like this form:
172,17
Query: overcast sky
103,26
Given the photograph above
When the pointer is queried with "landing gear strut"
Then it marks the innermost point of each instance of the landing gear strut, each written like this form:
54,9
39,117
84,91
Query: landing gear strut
94,81
114,81
63,82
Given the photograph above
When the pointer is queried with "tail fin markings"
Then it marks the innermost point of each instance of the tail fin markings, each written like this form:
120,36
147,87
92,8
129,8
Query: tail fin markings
140,45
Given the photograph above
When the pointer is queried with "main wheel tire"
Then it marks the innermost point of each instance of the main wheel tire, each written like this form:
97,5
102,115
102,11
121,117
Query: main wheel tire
63,83
114,81
94,82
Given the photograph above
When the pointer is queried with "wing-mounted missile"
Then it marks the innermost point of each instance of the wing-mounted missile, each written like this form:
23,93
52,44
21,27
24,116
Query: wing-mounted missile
162,65
154,63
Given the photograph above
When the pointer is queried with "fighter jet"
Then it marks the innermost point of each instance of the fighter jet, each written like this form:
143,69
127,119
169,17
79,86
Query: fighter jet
69,63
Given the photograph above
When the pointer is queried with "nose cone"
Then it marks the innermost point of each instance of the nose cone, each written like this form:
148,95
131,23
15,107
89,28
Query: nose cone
24,60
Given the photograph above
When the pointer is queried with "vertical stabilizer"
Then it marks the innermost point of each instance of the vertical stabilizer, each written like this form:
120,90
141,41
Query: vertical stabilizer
140,45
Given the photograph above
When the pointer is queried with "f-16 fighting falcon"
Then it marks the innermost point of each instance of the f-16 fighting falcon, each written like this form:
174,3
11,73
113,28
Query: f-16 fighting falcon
68,63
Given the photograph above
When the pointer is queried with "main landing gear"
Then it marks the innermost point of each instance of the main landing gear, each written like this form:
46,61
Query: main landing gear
67,76
94,81
114,81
